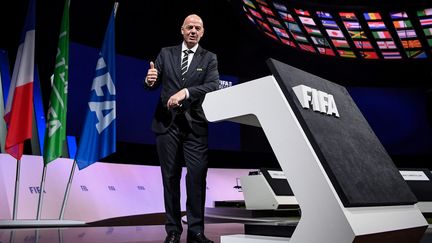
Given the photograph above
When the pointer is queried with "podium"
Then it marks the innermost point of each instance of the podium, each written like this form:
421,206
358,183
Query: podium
346,184
274,191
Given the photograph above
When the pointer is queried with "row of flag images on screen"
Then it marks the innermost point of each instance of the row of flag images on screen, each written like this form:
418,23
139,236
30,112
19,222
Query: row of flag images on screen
280,24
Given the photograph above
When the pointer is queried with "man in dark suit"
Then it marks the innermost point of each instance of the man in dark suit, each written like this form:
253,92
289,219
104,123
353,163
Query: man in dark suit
186,72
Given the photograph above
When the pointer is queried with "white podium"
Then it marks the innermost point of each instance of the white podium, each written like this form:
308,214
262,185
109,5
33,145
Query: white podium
324,218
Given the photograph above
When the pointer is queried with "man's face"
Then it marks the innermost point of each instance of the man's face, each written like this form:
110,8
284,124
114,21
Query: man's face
192,30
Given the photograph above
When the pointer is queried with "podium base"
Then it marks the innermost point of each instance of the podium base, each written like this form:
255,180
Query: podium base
33,223
241,238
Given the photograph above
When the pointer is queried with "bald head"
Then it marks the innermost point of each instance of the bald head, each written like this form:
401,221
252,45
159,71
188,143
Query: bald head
193,17
192,30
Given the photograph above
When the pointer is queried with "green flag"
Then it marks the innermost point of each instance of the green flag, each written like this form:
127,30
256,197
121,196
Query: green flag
55,133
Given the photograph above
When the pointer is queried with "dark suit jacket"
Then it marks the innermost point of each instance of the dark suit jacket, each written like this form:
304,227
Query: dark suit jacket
202,77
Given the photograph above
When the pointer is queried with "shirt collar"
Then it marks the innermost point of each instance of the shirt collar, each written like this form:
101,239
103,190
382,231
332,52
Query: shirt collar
184,47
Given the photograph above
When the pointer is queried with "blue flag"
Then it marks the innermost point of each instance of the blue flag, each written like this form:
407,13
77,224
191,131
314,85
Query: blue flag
98,138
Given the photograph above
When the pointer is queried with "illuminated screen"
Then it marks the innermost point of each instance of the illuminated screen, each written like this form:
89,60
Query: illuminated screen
348,34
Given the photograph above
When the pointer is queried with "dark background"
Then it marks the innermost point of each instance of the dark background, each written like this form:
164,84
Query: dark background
143,27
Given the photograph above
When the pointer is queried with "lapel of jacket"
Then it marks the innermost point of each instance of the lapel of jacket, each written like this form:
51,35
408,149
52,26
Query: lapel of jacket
193,66
176,62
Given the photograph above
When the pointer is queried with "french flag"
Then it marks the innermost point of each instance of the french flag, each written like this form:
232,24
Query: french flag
19,105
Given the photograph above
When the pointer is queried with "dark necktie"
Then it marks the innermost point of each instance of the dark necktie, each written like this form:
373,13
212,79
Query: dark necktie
184,62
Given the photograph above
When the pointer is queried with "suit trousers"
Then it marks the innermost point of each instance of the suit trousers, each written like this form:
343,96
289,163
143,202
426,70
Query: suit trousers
179,144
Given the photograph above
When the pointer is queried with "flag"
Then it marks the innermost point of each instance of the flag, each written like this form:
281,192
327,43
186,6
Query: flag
313,31
300,38
19,106
55,133
326,51
264,25
266,10
319,41
335,33
363,44
293,27
262,2
425,12
352,25
274,22
386,44
381,35
250,18
271,35
376,25
348,15
249,3
288,42
402,24
415,54
344,53
403,34
425,22
286,17
324,15
98,138
329,24
307,48
306,20
428,32
4,83
281,32
302,12
371,16
255,13
369,54
357,34
340,43
391,55
398,15
280,7
411,44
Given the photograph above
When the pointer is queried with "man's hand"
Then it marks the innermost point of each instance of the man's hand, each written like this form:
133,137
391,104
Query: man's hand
152,75
176,99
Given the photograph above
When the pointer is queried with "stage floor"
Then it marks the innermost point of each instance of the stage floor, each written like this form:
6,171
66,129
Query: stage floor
121,234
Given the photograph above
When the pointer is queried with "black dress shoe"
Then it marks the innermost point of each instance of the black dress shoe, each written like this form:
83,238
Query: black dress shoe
197,238
172,237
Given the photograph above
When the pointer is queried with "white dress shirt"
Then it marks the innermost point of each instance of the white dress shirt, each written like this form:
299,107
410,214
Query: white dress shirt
190,57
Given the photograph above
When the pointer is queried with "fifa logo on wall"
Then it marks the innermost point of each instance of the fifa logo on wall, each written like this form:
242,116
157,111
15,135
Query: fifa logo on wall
318,100
224,84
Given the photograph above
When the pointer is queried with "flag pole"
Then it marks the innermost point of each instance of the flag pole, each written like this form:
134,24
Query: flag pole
68,186
115,8
37,235
41,192
17,178
12,236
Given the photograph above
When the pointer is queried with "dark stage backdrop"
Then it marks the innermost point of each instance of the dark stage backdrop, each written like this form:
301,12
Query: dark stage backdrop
398,116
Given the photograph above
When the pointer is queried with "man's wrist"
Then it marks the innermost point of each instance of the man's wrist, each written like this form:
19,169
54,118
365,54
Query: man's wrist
186,93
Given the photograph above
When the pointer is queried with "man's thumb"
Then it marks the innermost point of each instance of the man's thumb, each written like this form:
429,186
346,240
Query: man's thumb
152,65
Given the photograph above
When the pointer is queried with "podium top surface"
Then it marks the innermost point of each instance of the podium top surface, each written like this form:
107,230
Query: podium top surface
356,162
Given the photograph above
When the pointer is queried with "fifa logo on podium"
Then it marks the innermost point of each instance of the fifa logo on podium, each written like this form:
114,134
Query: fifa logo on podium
319,100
